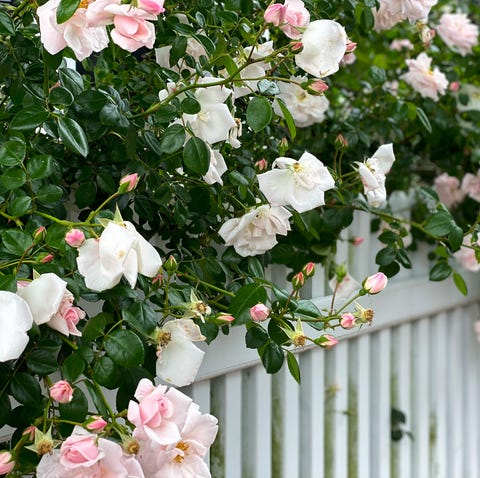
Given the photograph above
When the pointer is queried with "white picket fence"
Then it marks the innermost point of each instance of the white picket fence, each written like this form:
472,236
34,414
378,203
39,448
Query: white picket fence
420,357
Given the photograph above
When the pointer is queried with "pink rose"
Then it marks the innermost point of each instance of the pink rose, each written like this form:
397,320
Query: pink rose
471,185
297,17
375,283
259,312
75,238
347,320
79,450
457,31
155,7
275,14
61,392
466,255
328,341
6,462
131,31
448,189
429,83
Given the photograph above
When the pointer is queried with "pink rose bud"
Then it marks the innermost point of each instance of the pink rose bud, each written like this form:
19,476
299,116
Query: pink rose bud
75,238
261,165
96,424
296,46
351,46
347,320
47,258
340,142
298,281
454,86
30,431
226,318
309,269
275,14
6,463
40,234
128,183
327,341
61,392
78,450
356,241
376,283
259,312
317,87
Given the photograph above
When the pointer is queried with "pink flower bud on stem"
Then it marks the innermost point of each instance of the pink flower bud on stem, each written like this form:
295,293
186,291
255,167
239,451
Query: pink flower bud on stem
375,283
298,281
6,462
261,165
259,312
47,258
347,320
128,183
40,234
317,87
61,392
309,269
75,238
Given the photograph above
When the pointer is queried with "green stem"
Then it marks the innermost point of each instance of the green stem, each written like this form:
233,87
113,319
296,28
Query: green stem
206,284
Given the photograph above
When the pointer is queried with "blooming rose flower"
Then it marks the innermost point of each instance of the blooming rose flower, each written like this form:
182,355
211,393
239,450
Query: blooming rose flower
255,232
401,44
448,190
75,32
306,109
185,457
292,19
61,392
155,7
394,11
324,45
15,321
471,185
259,312
6,462
175,346
457,31
84,455
58,312
216,168
300,184
214,121
372,173
429,83
466,255
119,251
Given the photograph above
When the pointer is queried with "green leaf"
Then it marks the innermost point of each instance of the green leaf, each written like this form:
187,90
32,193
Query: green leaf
385,256
190,106
255,267
12,152
13,178
77,409
94,327
141,317
25,389
60,96
73,136
66,9
173,139
15,241
49,193
125,348
460,283
7,26
259,113
9,283
424,119
85,194
402,258
455,237
272,357
377,75
246,297
92,100
43,360
292,129
72,367
439,224
40,167
196,156
306,309
105,372
71,80
293,366
256,337
440,271
29,118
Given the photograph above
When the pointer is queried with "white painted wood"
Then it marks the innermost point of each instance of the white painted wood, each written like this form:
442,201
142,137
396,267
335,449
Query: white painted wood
256,424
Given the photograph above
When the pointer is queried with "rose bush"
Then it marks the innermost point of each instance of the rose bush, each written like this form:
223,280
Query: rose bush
156,158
